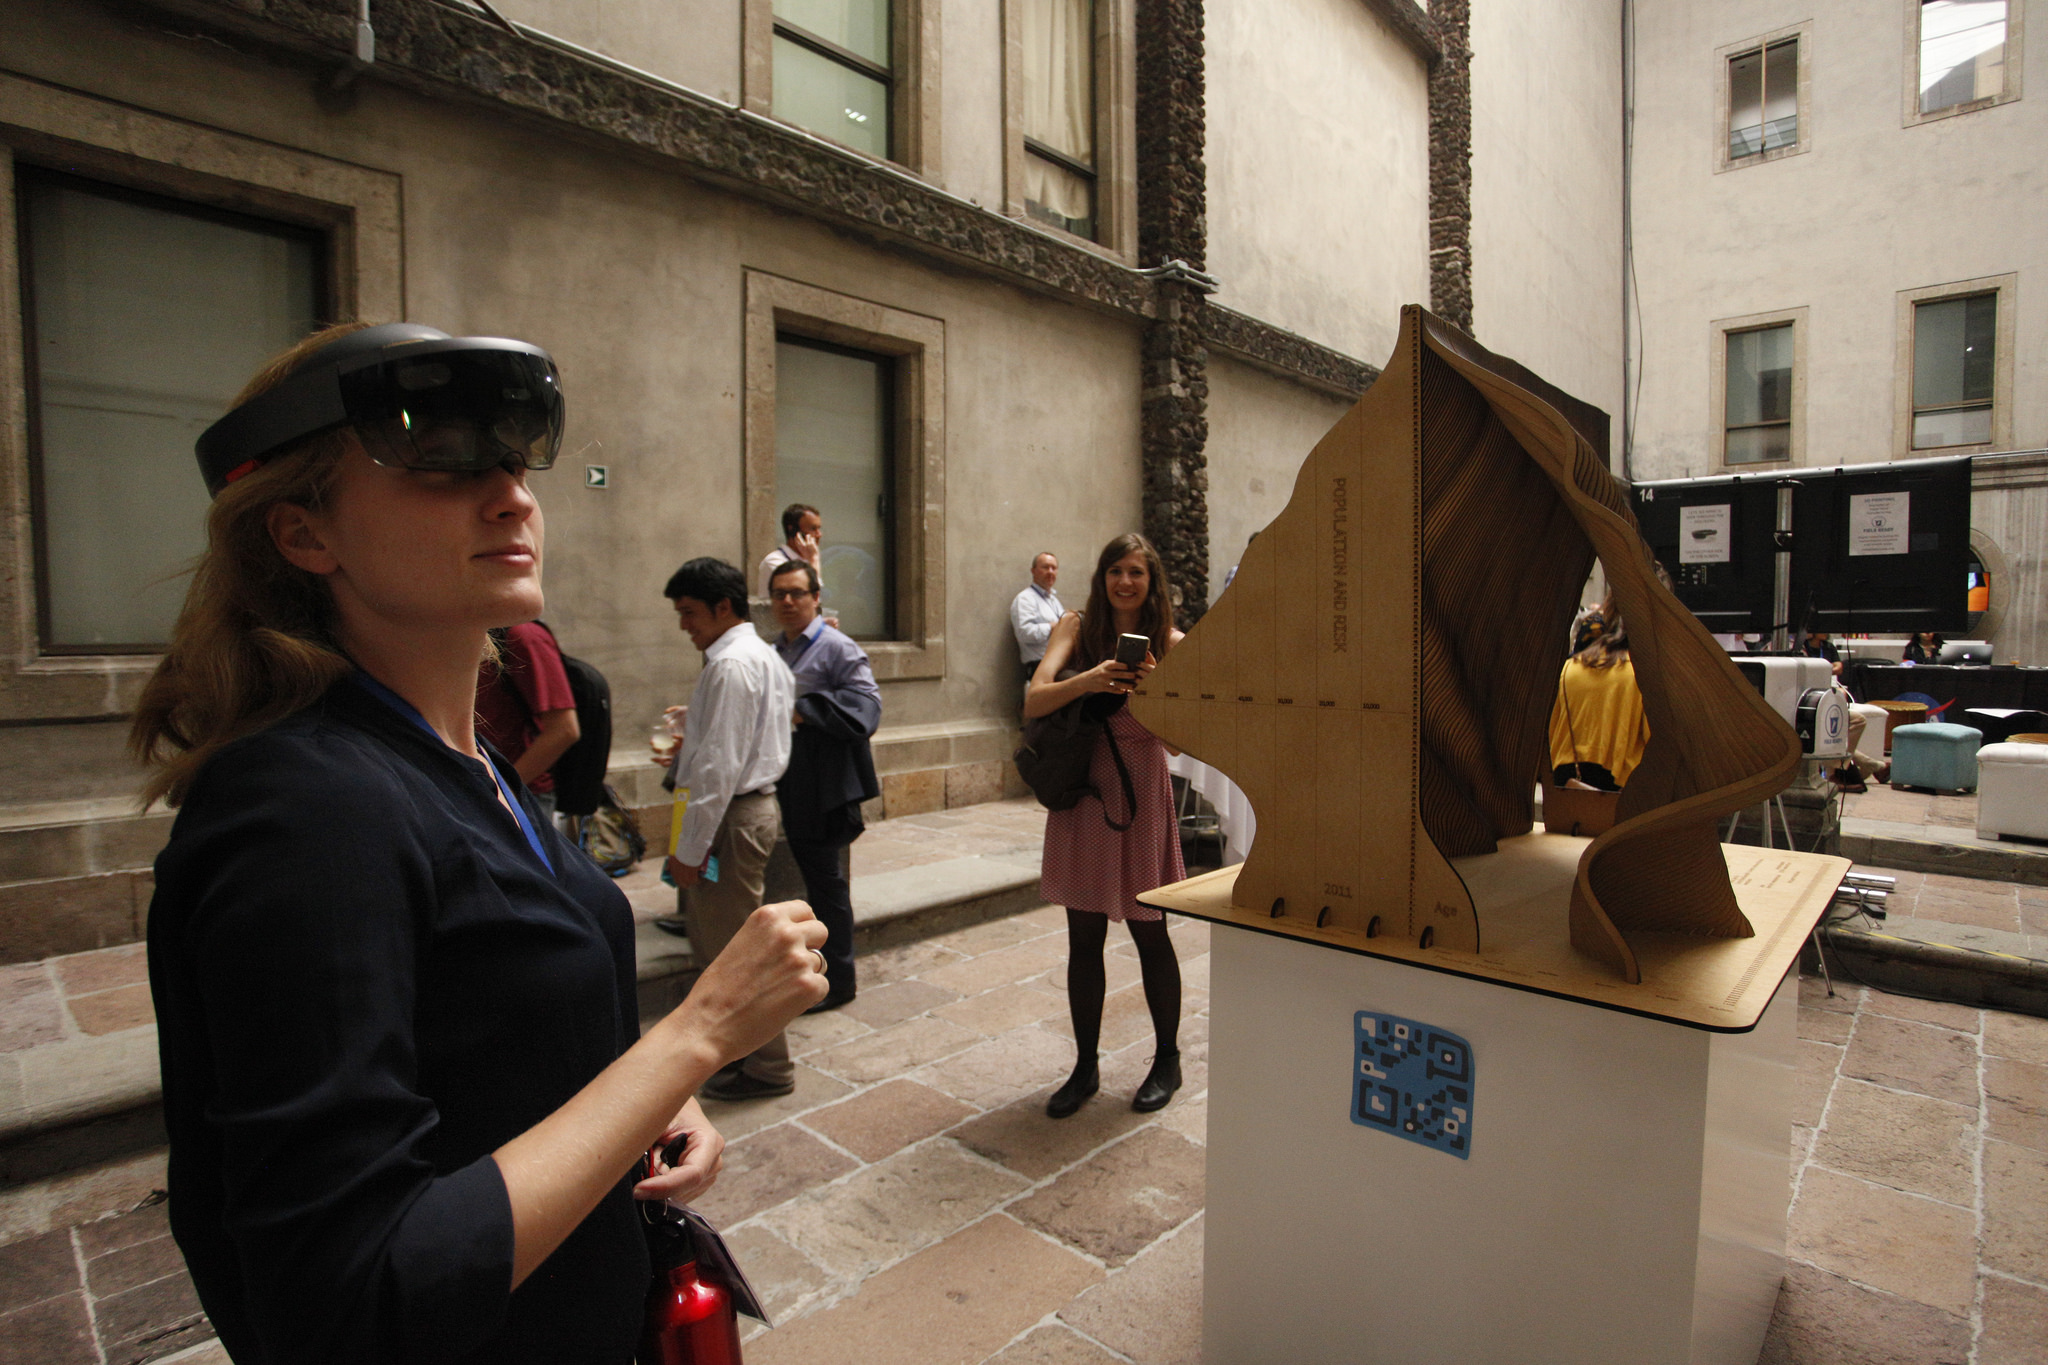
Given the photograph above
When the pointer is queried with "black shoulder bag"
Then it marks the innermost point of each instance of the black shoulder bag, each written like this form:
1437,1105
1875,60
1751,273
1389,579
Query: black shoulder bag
1057,750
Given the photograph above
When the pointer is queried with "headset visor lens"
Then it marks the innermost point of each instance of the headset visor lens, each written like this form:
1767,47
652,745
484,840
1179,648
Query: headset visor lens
458,410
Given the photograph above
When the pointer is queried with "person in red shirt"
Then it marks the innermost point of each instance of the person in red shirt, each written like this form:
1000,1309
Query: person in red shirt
524,707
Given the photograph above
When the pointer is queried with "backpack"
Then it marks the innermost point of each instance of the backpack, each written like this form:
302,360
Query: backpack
579,773
608,835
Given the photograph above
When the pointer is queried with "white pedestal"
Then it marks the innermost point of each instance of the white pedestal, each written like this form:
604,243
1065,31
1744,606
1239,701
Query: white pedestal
1624,1199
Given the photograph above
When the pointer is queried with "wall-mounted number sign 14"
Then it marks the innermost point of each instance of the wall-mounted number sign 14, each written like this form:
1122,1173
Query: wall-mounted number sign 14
1412,1080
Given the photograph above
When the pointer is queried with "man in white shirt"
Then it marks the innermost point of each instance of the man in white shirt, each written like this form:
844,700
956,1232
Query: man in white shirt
1034,611
735,747
803,533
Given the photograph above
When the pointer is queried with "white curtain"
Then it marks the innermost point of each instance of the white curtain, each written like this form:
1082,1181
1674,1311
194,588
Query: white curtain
1059,100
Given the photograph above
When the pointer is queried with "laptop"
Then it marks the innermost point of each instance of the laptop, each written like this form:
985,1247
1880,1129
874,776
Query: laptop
1964,652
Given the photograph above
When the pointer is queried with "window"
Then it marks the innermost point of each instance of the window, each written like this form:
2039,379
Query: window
1757,412
1059,113
1955,367
143,316
1962,52
834,449
834,70
1763,99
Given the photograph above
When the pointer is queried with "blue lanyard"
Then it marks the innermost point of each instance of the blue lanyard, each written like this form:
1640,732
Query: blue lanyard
411,713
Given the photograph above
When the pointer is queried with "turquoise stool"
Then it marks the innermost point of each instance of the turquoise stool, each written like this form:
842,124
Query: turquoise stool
1937,755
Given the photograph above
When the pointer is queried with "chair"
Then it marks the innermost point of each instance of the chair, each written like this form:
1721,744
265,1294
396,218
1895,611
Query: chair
2012,791
1935,756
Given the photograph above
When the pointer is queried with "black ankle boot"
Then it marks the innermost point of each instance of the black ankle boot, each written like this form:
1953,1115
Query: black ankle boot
1160,1083
1085,1081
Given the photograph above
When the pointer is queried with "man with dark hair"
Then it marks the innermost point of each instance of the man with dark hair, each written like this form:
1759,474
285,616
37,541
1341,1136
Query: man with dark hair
831,770
735,749
803,531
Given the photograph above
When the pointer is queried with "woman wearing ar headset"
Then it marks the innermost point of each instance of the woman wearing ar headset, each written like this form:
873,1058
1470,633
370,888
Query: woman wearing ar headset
403,1078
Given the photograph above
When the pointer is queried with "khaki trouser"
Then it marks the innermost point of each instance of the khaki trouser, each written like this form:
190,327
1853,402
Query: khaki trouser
715,911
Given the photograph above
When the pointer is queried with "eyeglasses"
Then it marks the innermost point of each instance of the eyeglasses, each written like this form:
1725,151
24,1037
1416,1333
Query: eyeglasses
789,594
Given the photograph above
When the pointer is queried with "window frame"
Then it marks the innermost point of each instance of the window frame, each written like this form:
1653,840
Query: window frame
778,307
359,210
1802,34
1720,330
2015,64
2005,337
913,76
1115,75
324,310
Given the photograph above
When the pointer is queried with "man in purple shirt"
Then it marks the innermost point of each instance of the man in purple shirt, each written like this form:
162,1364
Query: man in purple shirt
831,770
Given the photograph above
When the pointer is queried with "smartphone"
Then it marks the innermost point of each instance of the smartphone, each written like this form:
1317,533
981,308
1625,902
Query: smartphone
1131,650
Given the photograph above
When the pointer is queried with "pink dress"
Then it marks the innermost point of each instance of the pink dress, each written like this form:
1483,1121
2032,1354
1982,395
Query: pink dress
1089,866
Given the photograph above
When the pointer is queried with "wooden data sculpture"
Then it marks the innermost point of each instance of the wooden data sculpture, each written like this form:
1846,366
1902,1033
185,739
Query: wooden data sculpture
1379,677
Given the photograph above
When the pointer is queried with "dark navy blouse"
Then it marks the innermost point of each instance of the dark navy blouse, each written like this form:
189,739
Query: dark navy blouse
365,983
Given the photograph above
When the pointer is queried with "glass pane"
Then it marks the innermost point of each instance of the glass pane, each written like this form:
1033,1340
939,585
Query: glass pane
1753,445
834,101
833,451
1954,350
1759,376
1953,427
860,26
1059,76
147,322
1781,95
1746,104
1962,52
1053,194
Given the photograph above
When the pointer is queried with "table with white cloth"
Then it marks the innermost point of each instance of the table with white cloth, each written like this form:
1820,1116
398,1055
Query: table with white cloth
1233,810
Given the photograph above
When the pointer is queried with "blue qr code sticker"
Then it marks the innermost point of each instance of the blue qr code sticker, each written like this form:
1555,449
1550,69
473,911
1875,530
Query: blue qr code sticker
1414,1081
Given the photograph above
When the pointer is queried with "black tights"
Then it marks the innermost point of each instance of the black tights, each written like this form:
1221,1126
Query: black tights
1086,982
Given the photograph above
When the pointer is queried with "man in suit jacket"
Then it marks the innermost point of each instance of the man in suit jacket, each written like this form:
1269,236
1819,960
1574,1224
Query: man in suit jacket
831,770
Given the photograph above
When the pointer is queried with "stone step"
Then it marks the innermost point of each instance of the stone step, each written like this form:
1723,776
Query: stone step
1950,852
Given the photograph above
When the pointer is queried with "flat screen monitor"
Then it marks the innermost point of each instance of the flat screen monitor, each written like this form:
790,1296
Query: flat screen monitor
1883,547
1715,538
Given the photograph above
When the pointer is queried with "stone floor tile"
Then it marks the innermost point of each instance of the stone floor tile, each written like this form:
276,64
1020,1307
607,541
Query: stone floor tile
2016,1211
53,1332
783,1277
2021,1037
993,934
1003,1068
767,1169
37,1268
807,1033
893,1208
894,1001
30,1012
888,1118
896,1050
1021,1137
1048,917
2016,1102
1982,910
1918,1057
1824,1026
962,1300
1054,1345
1151,1310
1194,972
1120,1200
1823,1319
2015,1318
129,1266
1909,1142
111,1011
903,961
1899,1243
103,969
736,1119
1813,994
83,1196
1943,1013
1189,1118
1802,1146
151,1319
973,975
1002,1009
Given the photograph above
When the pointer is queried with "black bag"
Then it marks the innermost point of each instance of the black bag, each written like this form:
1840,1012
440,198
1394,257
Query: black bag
609,836
1057,751
579,773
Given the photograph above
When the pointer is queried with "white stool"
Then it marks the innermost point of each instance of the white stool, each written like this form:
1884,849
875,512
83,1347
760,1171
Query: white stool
2012,790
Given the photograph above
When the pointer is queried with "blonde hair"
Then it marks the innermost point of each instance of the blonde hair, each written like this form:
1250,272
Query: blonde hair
254,641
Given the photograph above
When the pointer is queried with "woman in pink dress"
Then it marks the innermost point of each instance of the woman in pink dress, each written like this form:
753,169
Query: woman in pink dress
1091,866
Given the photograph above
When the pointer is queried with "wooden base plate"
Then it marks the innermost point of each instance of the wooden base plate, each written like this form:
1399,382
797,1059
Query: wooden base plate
1522,894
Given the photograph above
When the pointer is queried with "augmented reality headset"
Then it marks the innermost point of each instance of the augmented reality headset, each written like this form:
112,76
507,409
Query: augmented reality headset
416,397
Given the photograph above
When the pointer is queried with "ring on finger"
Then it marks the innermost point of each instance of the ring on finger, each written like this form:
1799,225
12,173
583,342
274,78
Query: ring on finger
821,960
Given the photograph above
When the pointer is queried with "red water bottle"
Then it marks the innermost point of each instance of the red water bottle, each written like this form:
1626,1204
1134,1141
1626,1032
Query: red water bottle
689,1321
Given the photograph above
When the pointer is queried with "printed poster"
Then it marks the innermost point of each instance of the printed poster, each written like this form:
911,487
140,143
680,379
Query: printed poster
1879,523
1703,534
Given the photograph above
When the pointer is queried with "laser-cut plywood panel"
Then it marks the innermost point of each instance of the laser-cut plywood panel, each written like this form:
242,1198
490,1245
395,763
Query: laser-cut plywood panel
1379,676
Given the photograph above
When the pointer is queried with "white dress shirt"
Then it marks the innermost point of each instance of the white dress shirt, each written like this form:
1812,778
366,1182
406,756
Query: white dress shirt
1033,613
737,740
